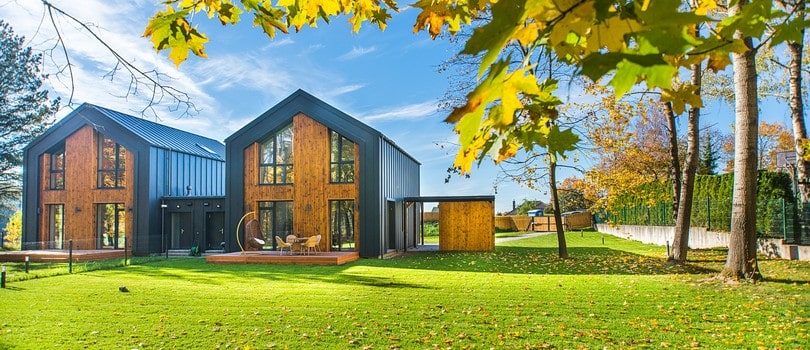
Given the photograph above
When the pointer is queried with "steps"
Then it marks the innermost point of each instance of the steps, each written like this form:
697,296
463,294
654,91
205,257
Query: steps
184,253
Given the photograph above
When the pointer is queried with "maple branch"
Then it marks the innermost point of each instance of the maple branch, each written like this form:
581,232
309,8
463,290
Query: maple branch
159,89
64,49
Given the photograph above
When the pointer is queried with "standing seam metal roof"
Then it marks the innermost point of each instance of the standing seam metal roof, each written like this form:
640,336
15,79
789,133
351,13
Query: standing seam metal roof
162,136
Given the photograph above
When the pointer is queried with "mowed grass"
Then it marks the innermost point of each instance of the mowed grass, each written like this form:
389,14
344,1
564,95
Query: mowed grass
618,294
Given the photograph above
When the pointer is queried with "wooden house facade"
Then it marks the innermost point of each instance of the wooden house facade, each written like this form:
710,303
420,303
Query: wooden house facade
97,177
306,168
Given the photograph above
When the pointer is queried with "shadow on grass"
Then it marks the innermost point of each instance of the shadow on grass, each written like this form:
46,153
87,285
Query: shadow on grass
512,260
198,271
526,260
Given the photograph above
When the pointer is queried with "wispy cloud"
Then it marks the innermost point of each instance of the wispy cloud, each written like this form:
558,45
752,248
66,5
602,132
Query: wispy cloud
412,111
278,43
357,52
345,89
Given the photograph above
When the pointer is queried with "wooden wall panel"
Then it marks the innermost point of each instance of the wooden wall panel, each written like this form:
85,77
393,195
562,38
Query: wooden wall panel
311,190
468,226
505,223
81,195
543,223
578,221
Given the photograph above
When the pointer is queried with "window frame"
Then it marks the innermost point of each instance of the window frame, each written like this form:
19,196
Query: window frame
57,173
278,173
116,238
118,170
56,225
341,210
338,174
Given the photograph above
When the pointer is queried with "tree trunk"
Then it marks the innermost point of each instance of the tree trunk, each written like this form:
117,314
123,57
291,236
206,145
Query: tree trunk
741,262
680,243
555,200
675,158
797,114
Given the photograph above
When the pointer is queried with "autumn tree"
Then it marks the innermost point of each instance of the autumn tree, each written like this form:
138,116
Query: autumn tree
25,110
773,138
12,232
795,65
628,143
573,195
533,169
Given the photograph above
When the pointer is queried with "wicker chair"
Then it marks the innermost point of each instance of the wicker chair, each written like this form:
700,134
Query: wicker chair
311,244
318,244
281,245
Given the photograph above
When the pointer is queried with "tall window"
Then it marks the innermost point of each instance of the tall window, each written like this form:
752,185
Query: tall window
111,225
342,159
58,170
275,219
111,160
342,224
56,226
276,158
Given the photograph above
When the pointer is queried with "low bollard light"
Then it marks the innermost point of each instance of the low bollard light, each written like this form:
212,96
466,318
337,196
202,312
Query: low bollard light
3,277
27,262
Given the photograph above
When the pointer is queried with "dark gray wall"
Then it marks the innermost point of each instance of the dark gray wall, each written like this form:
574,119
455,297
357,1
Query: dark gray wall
399,177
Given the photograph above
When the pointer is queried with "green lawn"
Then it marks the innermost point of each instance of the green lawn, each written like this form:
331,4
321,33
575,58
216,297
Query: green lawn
616,295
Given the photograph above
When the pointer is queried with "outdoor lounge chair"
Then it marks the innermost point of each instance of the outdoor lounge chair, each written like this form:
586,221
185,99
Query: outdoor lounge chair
318,244
311,244
281,245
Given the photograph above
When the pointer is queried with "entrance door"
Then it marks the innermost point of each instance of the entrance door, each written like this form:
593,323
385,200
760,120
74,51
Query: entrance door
392,225
182,230
214,231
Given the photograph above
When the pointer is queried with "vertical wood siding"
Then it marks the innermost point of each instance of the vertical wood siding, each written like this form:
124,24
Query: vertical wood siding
81,193
311,190
467,226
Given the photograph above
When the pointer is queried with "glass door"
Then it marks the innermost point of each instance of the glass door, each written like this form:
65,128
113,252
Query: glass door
56,226
111,226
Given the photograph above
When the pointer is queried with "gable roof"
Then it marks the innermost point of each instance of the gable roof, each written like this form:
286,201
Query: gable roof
303,102
162,136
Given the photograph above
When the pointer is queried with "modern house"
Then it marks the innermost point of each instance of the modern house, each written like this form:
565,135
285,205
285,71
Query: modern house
103,179
306,168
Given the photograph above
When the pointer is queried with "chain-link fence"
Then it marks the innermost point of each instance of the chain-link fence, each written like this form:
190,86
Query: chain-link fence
775,218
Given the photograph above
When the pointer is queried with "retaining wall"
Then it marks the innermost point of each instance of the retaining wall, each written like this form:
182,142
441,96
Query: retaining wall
700,238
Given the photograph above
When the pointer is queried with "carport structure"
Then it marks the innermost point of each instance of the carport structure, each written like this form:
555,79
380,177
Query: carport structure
466,223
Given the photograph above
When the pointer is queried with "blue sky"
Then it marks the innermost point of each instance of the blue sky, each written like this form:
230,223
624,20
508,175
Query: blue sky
388,80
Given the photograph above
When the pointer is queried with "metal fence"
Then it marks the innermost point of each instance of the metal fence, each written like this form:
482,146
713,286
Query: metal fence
775,218
53,258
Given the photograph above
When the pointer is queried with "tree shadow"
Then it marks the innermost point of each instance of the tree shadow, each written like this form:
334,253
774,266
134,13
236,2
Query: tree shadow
545,260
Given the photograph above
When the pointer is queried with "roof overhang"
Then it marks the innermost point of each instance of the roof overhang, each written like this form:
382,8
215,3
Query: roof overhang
429,199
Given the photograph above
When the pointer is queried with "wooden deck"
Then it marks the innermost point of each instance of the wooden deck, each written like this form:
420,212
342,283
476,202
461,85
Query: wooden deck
272,257
60,256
